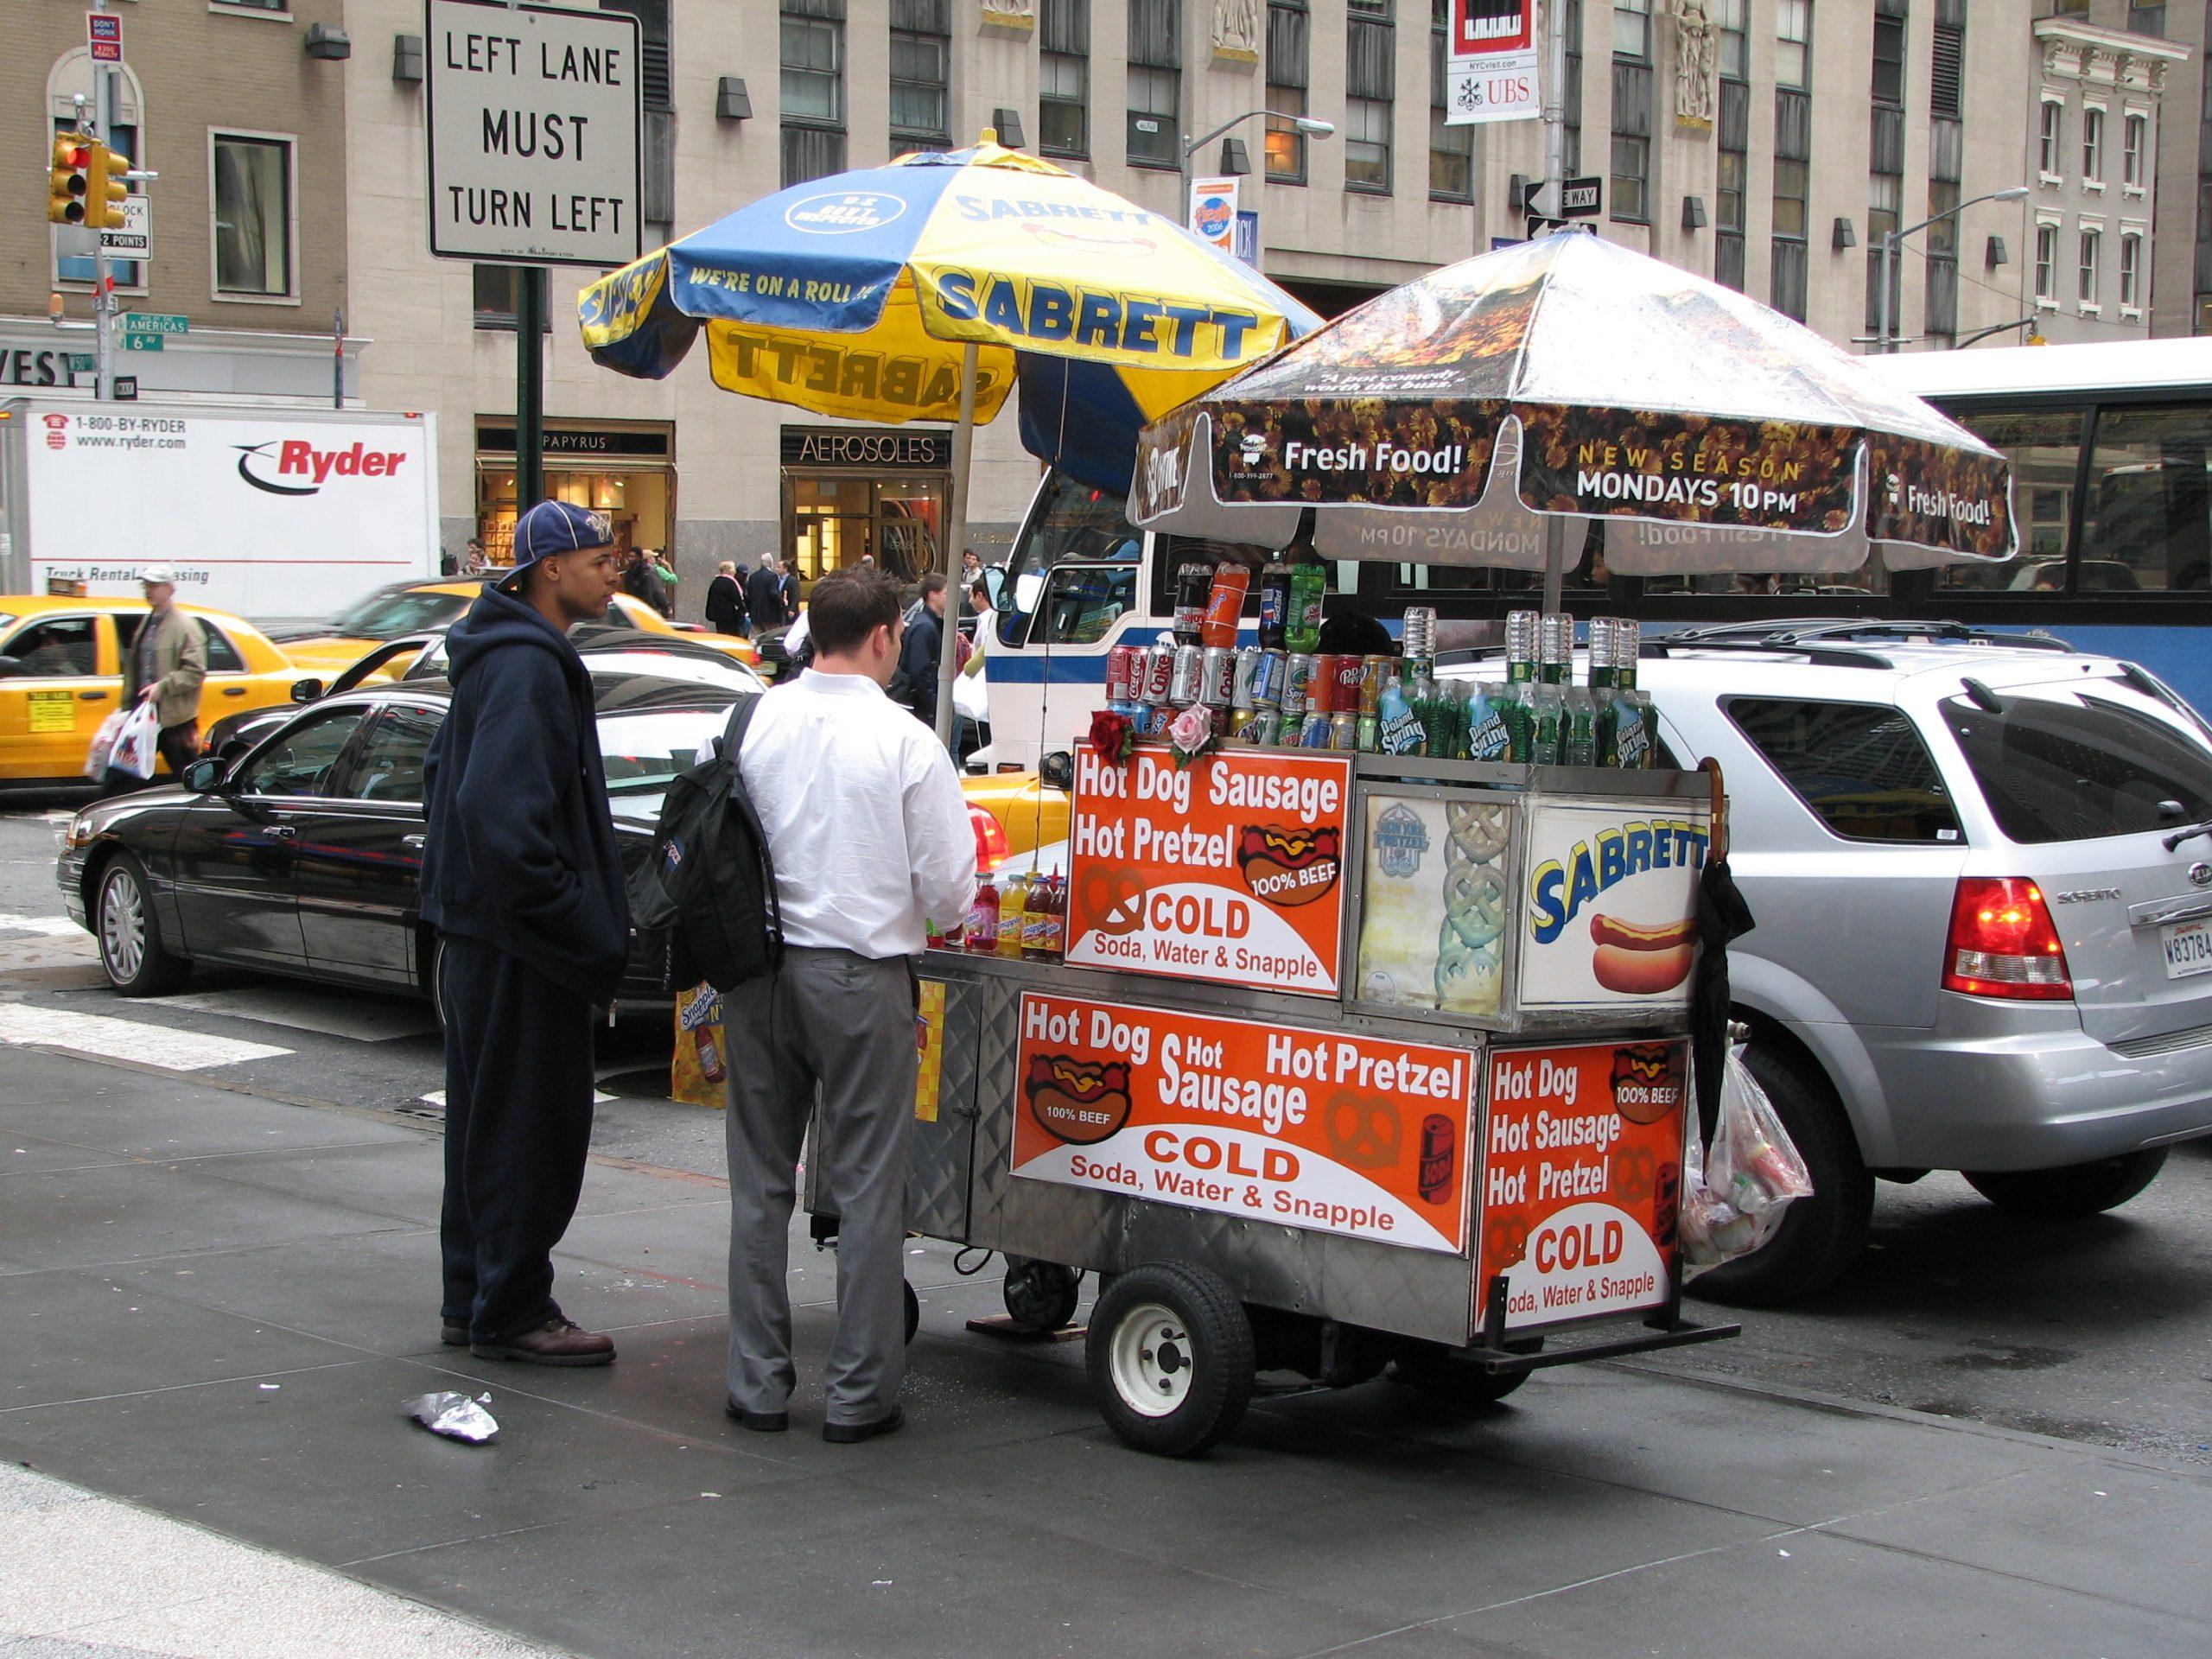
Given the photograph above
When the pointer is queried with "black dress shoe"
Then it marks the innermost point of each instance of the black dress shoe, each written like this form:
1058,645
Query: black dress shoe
760,1422
854,1433
453,1336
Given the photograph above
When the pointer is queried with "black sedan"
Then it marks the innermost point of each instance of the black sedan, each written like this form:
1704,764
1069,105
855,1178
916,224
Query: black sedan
298,851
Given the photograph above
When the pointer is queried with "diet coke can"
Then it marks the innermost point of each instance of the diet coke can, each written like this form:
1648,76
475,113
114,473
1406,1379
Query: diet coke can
1190,676
1217,677
1159,661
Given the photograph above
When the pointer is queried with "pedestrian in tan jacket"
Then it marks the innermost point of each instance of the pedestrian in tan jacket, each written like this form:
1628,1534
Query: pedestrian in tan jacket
166,663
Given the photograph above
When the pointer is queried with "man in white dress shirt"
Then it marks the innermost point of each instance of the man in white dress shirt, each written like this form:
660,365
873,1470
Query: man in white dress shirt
870,837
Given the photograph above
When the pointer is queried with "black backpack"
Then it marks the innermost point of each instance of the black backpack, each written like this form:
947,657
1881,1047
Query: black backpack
708,883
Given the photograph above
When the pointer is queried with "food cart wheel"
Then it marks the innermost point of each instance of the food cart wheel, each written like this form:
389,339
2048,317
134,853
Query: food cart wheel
913,1309
1170,1358
1451,1384
1040,1295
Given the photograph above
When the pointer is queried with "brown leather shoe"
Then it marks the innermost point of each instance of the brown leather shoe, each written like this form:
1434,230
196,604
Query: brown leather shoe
557,1341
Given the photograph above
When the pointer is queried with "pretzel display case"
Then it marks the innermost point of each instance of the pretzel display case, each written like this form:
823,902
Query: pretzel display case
1339,1072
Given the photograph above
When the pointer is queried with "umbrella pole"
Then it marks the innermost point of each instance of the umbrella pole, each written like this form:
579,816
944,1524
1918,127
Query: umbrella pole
956,536
1554,560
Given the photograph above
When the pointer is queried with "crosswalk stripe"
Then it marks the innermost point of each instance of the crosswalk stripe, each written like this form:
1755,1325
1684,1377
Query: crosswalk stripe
301,1007
437,1097
26,1026
52,927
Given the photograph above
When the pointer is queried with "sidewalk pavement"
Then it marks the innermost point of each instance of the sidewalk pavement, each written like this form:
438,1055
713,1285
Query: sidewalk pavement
212,1306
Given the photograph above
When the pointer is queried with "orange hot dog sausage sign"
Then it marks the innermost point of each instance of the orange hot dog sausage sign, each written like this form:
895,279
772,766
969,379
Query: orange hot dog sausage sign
1230,869
1609,904
1326,1131
1581,1178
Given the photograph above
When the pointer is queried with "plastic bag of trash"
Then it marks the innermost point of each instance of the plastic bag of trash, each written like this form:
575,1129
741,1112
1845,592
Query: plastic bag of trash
454,1415
1734,1195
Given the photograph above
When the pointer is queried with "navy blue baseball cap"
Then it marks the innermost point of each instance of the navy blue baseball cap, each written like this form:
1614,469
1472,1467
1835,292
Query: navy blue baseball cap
552,528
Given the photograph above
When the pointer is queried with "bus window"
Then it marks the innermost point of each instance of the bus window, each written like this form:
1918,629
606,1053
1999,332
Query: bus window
1086,601
2044,446
2148,525
1068,520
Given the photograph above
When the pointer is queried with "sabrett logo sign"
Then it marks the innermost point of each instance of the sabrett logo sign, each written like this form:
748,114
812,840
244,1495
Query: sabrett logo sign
1082,316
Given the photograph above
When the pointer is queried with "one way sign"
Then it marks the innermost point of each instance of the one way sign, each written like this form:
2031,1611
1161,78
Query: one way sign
1581,198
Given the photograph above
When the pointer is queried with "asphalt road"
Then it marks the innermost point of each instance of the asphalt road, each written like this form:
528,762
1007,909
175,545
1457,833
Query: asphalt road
2098,1331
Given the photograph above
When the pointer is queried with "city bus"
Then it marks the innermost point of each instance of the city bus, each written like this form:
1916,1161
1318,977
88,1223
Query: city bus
2110,447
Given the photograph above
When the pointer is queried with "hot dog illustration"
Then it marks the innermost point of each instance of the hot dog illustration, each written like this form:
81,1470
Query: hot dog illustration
1638,961
1080,1101
1289,867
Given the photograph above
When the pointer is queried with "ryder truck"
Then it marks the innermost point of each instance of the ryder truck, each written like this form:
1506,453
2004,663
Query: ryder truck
275,514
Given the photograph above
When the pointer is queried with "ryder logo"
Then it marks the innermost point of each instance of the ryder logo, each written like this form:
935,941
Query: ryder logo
295,467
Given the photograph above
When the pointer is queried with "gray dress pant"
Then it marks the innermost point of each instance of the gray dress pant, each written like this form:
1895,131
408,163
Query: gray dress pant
845,1024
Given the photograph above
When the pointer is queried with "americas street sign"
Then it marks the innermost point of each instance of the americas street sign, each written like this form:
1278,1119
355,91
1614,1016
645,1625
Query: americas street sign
156,323
144,342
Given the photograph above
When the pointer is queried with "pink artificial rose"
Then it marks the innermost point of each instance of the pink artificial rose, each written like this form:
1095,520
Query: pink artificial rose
1192,730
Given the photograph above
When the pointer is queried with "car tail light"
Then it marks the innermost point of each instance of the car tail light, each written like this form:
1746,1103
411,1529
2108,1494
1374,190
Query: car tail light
990,839
2002,942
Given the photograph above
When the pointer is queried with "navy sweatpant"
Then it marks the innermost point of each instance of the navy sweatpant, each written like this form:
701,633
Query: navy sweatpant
519,1093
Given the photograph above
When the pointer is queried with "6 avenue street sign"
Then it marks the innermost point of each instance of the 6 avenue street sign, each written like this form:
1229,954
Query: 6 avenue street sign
534,146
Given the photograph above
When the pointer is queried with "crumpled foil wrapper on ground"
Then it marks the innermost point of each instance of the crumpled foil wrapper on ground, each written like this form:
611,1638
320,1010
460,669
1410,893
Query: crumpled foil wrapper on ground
454,1415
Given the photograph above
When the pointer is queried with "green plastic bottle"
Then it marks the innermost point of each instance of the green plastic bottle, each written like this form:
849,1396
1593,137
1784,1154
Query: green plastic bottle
1308,583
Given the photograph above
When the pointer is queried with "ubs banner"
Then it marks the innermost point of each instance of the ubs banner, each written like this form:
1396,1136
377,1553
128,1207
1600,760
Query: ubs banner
1328,1131
1230,869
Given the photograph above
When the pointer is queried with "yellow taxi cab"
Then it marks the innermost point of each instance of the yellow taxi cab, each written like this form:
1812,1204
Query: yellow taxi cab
61,675
1029,812
431,606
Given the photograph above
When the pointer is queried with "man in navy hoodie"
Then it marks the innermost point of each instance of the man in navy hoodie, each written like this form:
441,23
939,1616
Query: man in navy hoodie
522,879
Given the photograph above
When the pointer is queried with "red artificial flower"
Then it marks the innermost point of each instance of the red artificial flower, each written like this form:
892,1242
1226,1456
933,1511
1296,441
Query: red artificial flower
1112,737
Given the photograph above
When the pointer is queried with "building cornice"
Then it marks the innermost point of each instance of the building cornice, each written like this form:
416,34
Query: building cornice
2073,50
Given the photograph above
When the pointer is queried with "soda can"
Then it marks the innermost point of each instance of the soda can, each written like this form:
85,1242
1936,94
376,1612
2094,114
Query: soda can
1240,725
1266,679
1377,670
1135,713
1189,676
1156,718
1266,729
1217,676
1316,733
1158,673
1370,734
1321,687
1439,1149
1296,684
1247,671
1351,677
1120,673
1344,730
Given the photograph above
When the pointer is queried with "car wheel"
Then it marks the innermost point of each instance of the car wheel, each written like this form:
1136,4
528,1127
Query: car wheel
1170,1358
1820,1236
2076,1190
137,961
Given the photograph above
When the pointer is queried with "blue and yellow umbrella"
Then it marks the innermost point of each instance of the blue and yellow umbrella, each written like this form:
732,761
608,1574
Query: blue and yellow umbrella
924,290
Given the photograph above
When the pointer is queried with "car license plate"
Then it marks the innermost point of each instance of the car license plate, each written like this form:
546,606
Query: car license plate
2189,948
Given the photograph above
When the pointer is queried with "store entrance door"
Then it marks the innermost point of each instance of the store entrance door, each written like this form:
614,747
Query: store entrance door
833,521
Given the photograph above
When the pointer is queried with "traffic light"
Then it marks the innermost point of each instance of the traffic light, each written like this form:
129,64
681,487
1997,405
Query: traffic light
70,183
107,188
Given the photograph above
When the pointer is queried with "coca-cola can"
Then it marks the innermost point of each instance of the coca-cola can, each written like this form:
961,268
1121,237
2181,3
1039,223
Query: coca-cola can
1189,676
1296,684
1217,677
1159,674
1121,674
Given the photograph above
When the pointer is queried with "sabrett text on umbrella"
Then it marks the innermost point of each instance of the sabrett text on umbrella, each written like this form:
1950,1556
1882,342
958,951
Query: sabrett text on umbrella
829,370
1087,317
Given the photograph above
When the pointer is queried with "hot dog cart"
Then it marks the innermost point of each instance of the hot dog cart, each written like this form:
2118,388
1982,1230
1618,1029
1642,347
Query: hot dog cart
1348,1062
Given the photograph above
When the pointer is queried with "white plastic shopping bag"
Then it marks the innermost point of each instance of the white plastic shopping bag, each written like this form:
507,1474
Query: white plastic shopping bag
1734,1194
134,751
96,757
971,698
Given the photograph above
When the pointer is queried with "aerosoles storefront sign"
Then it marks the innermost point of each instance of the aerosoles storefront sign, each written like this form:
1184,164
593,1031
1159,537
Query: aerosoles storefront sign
839,448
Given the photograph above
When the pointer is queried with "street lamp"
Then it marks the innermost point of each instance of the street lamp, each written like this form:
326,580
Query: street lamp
1883,342
1306,125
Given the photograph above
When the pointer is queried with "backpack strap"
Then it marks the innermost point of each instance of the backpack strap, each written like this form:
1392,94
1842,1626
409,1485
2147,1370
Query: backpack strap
741,716
733,739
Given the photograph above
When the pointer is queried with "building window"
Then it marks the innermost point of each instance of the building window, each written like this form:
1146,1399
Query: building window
1793,48
1732,141
1289,51
2093,146
1064,79
1889,55
2135,138
1573,99
1155,95
1370,87
1728,18
253,215
2091,252
1451,150
657,123
1632,30
813,46
2051,137
1631,179
921,68
1883,191
1793,152
2131,273
2047,262
1946,67
499,295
